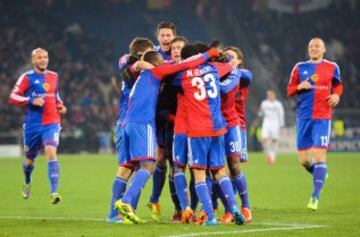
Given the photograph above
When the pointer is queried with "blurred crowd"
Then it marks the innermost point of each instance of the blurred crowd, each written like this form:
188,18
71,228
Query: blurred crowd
280,39
84,63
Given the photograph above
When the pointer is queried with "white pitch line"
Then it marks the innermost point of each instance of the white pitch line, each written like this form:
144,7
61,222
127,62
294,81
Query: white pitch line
63,218
52,218
245,231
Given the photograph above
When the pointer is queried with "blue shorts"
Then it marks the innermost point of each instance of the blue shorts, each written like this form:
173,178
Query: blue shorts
244,153
206,152
164,135
37,136
313,133
180,150
235,143
121,149
140,143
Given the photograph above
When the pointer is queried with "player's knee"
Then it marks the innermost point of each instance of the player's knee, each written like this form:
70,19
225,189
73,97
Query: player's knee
148,165
219,173
199,175
234,166
124,172
29,162
161,161
50,152
319,155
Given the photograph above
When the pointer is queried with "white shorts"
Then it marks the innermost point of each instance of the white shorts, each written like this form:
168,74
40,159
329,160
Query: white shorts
270,132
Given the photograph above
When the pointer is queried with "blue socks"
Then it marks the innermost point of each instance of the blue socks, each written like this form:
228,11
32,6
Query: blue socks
139,180
53,174
173,194
27,172
219,193
241,186
135,201
228,192
118,189
181,189
158,183
319,176
204,197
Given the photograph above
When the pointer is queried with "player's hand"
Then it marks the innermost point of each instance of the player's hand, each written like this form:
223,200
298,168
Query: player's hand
61,109
213,53
142,65
38,101
333,99
305,85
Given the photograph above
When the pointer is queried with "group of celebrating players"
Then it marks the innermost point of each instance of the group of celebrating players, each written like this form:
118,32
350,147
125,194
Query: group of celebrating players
184,104
194,121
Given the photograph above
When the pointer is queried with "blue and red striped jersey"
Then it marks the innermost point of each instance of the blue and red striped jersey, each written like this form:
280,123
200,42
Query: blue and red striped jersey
201,87
144,94
324,77
241,96
31,85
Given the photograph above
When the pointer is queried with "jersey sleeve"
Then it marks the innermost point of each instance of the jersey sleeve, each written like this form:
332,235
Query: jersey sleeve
294,81
246,78
337,85
167,69
337,77
17,94
58,97
231,81
222,68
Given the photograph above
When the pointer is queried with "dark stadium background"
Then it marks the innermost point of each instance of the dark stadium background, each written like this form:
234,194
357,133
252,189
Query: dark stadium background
85,38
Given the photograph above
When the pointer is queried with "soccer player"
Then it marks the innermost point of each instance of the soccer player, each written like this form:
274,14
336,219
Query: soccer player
37,90
205,128
318,87
126,69
166,32
272,112
139,123
235,138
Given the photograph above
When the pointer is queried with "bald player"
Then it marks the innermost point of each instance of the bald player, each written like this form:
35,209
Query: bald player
318,86
37,90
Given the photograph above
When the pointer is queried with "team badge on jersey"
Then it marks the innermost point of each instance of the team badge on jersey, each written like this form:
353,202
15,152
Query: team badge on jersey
314,78
46,86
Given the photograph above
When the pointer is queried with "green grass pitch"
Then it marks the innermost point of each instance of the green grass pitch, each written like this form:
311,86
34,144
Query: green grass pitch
278,196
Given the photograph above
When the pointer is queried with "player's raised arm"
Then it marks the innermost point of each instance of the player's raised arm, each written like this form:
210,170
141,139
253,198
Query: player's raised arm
165,70
231,81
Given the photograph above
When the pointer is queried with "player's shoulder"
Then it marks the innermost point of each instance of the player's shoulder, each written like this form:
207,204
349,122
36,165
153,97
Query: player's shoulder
332,63
26,74
302,63
50,72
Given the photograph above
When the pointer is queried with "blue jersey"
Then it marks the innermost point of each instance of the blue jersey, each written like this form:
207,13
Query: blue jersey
31,85
165,55
324,78
144,94
126,86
